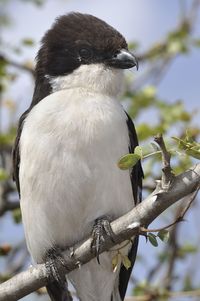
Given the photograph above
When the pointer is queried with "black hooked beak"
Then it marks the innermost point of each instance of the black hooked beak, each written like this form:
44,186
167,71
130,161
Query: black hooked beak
123,60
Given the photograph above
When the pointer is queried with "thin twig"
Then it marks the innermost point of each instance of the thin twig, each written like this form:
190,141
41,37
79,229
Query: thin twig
167,174
173,252
179,218
191,200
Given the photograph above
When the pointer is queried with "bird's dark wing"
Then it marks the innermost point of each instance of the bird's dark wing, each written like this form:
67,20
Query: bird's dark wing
58,291
15,152
136,181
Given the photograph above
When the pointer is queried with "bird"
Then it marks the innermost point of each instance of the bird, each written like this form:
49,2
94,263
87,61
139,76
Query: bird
66,150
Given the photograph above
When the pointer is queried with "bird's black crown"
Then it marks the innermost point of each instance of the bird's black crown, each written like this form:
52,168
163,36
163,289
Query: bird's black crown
76,39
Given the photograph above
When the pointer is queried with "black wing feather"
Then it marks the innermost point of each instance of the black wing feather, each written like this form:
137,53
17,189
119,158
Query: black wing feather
136,181
15,152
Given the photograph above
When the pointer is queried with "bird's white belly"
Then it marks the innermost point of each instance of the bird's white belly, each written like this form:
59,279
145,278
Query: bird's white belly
69,176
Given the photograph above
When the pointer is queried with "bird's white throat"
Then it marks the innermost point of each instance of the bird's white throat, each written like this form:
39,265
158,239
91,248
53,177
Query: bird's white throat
93,77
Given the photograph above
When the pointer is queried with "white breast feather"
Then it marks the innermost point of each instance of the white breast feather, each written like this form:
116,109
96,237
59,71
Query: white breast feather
69,147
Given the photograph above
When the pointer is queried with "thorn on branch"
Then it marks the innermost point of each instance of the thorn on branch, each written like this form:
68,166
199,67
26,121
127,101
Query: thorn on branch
167,174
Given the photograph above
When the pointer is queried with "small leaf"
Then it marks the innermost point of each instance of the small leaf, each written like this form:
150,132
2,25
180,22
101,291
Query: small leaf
128,161
126,262
138,151
152,239
191,147
163,235
194,152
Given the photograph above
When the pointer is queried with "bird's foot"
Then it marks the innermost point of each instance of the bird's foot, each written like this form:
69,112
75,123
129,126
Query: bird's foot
55,265
57,287
101,229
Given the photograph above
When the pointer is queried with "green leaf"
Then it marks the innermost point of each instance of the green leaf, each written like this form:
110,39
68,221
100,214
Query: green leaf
152,239
194,152
163,235
126,262
191,147
128,161
138,151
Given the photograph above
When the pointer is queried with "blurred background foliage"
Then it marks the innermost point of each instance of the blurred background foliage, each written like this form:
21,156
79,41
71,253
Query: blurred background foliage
172,266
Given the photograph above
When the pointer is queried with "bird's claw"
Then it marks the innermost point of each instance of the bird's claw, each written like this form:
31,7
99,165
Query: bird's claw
55,265
101,229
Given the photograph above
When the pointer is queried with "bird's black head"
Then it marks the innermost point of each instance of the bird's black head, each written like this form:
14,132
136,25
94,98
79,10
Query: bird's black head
77,40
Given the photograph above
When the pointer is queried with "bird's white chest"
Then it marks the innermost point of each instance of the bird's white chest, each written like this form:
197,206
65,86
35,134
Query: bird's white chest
69,148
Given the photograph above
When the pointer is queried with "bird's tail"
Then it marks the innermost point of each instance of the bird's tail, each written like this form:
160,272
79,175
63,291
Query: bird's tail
58,292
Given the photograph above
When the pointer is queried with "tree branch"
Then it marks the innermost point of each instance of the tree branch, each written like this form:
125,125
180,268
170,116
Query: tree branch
16,65
124,228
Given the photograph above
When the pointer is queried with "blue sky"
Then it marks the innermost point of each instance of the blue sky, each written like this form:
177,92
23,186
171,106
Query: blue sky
146,21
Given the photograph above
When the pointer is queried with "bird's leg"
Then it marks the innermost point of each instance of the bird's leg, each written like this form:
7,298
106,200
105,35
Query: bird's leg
55,265
101,229
57,287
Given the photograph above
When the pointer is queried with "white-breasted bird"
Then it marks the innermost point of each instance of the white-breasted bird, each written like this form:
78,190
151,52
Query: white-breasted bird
67,148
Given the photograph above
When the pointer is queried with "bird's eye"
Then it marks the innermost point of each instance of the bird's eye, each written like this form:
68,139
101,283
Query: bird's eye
116,53
85,53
